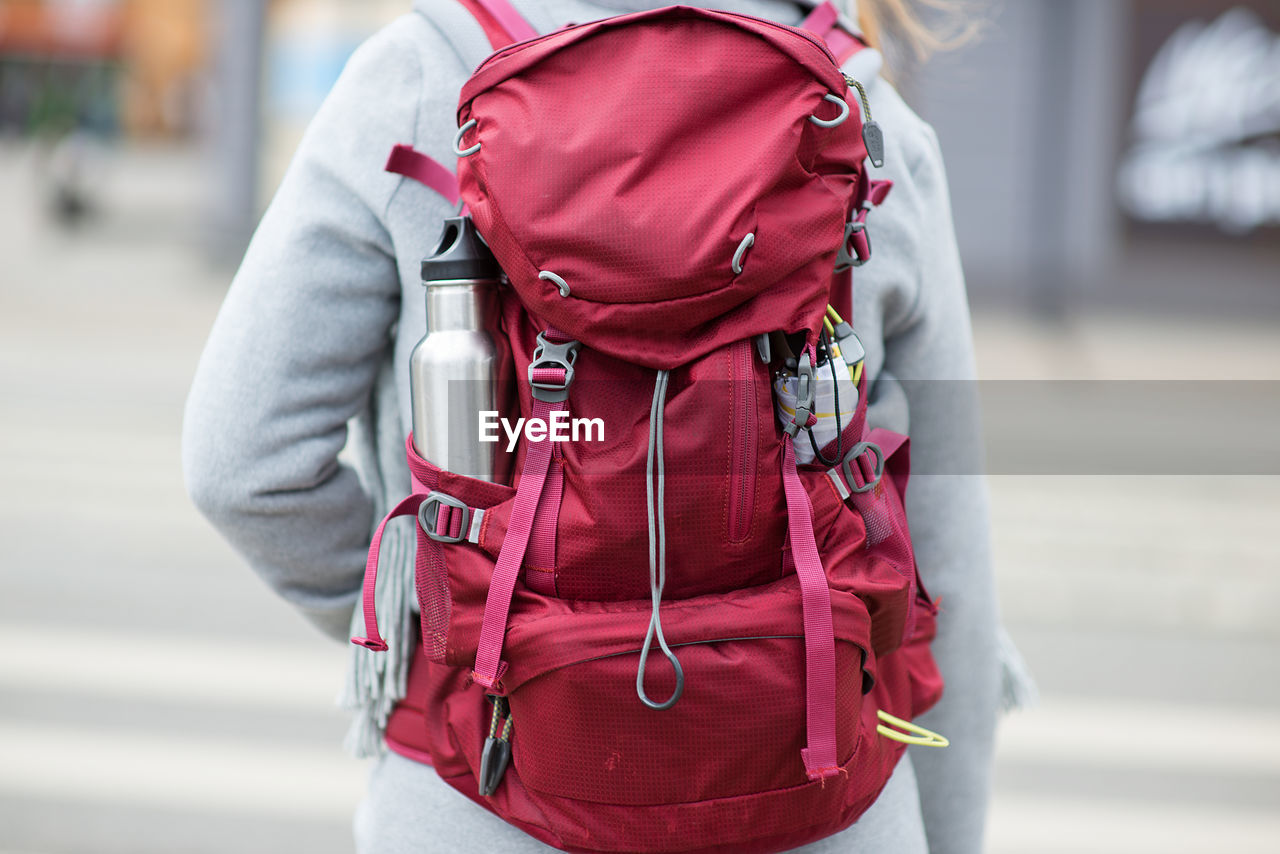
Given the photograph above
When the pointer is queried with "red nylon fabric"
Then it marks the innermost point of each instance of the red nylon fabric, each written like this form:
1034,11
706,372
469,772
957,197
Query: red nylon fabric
651,171
602,546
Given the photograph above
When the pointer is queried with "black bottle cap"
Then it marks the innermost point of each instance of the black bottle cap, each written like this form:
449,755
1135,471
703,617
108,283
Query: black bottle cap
460,254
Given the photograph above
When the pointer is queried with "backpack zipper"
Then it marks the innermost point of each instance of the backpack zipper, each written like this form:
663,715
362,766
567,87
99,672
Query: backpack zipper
872,136
805,34
742,463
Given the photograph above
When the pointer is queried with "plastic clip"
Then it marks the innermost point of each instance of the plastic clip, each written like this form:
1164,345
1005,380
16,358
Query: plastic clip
551,355
846,260
805,392
763,348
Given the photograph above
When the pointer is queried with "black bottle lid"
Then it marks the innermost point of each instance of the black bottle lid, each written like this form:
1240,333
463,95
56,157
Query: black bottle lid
460,254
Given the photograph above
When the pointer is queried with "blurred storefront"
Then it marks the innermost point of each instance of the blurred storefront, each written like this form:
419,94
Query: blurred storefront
1116,153
1100,152
131,66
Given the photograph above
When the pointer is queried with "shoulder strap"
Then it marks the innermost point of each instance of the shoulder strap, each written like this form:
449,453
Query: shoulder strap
500,21
841,33
467,25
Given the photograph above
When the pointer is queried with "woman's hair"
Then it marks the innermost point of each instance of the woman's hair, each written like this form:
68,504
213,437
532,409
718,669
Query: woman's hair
920,26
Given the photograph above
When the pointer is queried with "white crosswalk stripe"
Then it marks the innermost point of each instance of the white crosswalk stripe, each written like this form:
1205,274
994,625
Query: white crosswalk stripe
96,765
181,669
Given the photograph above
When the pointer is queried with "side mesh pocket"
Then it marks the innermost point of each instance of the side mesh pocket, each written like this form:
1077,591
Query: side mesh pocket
453,567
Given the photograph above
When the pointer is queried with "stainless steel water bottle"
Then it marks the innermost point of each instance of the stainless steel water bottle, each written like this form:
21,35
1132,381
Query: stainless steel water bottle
454,368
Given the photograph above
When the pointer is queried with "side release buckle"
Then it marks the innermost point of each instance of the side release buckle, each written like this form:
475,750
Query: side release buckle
549,354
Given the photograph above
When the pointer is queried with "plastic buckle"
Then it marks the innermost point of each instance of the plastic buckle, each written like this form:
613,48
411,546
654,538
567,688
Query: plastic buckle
428,515
551,355
847,470
846,260
805,393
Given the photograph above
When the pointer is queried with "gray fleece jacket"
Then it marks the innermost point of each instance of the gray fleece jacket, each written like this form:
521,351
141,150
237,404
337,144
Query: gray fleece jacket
309,356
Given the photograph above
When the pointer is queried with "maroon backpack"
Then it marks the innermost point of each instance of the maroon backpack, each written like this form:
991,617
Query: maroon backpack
671,637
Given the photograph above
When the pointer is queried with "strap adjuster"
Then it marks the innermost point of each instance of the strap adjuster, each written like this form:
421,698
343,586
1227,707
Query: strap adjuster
549,354
846,467
846,260
429,515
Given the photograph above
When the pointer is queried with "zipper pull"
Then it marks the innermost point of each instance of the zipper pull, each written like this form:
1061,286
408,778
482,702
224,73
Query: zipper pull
497,749
872,135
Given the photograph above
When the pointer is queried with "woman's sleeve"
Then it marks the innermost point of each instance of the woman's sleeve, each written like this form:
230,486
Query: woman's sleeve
929,359
297,345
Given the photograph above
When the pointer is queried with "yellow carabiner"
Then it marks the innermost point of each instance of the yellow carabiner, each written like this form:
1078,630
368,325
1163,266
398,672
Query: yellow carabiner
921,736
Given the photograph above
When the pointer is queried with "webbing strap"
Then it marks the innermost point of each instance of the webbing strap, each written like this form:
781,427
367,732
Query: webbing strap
841,36
540,572
489,665
372,639
819,633
407,161
450,521
501,23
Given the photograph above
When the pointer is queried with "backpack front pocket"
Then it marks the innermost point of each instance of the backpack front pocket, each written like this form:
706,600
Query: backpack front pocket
580,730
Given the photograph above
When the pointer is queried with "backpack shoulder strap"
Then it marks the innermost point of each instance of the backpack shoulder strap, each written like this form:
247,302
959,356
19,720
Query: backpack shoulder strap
474,28
841,33
500,20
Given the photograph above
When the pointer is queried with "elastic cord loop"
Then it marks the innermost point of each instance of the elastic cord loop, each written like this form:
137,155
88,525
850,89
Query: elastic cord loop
657,553
922,736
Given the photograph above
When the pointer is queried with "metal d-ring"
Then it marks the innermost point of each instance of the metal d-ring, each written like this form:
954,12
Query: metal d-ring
466,126
747,243
548,276
838,120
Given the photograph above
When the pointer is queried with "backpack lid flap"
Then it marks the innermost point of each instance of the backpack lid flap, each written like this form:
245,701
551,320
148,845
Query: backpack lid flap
622,166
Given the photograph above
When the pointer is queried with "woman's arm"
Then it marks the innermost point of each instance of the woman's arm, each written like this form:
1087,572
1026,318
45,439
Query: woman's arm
925,386
297,345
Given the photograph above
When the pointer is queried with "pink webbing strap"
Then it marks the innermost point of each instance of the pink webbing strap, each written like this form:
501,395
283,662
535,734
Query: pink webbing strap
540,572
372,639
405,160
824,22
501,23
819,634
489,665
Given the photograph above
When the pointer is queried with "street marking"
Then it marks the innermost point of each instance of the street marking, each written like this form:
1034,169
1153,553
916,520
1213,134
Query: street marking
214,775
1058,825
1102,733
169,668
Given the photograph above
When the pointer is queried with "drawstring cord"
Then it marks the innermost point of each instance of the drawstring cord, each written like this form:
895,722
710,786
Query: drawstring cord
657,551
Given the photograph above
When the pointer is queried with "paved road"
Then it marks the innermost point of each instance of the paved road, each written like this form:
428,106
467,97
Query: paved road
155,698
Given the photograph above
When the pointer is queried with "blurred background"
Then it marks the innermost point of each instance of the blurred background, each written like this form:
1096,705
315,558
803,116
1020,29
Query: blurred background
1115,171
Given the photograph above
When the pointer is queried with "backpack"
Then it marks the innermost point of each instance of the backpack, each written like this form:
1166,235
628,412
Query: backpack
672,636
